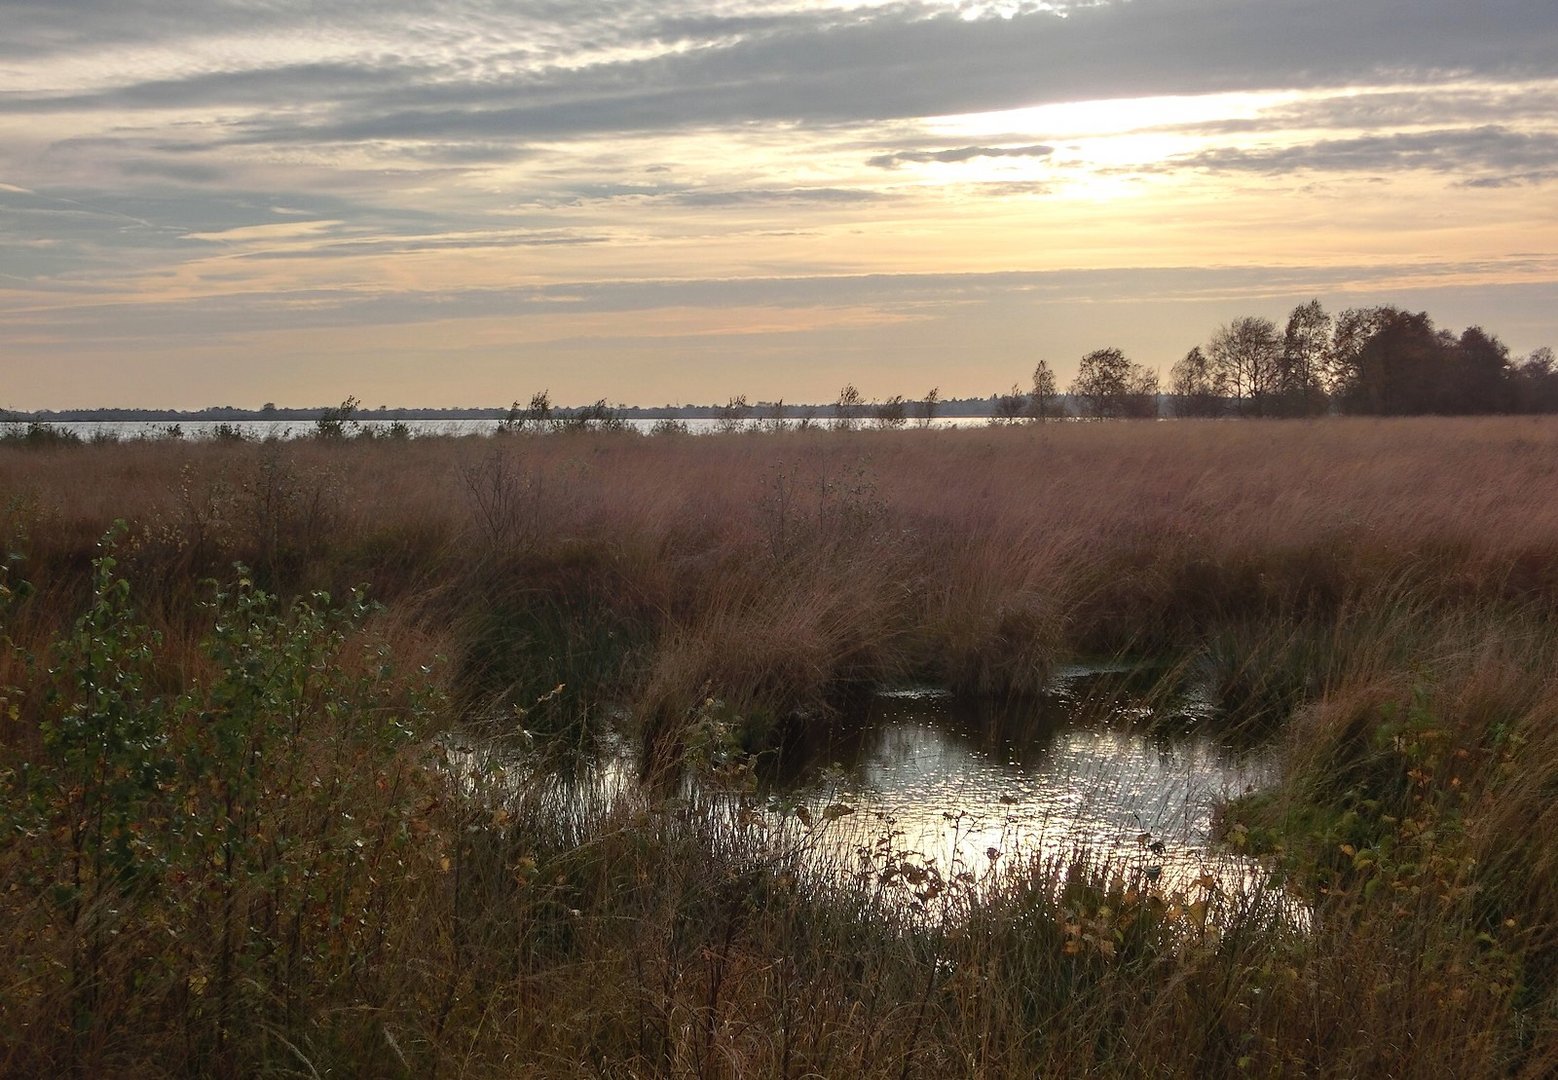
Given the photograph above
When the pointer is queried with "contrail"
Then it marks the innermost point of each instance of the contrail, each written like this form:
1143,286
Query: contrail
88,207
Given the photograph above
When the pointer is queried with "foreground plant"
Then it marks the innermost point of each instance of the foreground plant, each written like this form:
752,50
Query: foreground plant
210,860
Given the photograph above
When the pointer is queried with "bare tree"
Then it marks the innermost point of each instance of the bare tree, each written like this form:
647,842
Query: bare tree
1109,386
1009,407
846,410
1141,393
776,419
1350,335
930,406
1245,355
1194,386
1101,383
1305,363
536,416
892,413
733,415
1044,402
1536,382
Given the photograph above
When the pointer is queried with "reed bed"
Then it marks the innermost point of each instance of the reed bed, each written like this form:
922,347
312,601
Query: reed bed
232,848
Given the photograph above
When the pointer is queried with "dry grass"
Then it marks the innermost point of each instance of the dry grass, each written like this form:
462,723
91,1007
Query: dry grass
975,557
1380,591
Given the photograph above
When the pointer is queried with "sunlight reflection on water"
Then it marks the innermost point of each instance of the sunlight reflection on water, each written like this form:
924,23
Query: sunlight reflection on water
966,790
970,788
955,794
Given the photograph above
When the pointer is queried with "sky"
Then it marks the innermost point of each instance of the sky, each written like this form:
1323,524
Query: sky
415,202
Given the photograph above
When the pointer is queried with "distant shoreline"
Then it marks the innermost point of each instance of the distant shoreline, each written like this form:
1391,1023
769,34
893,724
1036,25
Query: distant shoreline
761,410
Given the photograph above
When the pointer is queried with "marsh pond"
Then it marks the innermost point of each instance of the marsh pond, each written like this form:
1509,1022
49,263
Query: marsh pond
1110,764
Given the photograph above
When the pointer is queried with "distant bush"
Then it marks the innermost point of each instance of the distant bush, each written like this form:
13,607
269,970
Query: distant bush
338,423
669,426
39,435
596,417
230,433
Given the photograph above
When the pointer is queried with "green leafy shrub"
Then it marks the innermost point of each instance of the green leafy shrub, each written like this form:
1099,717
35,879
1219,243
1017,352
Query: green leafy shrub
208,859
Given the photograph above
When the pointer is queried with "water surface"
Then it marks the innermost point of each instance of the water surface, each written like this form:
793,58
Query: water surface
1108,764
1094,766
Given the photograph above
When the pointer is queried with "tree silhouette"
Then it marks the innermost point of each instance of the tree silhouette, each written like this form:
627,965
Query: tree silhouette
929,406
1245,354
1194,386
1305,362
846,410
891,414
1536,382
1010,406
1109,386
1044,402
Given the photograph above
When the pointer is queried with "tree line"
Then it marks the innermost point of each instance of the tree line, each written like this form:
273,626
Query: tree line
1377,361
1381,361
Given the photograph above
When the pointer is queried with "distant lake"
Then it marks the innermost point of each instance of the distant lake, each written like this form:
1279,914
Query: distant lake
292,429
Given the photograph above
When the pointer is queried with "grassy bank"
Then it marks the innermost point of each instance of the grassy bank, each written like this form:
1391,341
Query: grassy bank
231,848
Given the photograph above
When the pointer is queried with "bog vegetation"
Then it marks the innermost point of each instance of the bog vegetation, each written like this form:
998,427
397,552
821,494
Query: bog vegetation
244,834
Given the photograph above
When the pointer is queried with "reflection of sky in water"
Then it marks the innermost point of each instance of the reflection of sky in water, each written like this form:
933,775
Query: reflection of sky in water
952,787
293,429
1075,772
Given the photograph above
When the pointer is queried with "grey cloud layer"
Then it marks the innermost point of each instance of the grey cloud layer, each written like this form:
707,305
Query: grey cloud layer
906,294
1510,155
900,61
1417,106
901,64
958,154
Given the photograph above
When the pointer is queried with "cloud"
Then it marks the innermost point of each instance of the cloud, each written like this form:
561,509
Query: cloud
1392,108
1530,179
346,306
957,155
586,77
186,173
413,244
775,196
1491,148
284,84
901,62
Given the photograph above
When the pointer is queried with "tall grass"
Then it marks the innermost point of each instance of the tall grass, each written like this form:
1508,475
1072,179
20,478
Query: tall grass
232,848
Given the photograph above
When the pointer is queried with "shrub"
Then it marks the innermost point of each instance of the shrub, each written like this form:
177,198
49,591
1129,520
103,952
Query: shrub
207,858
